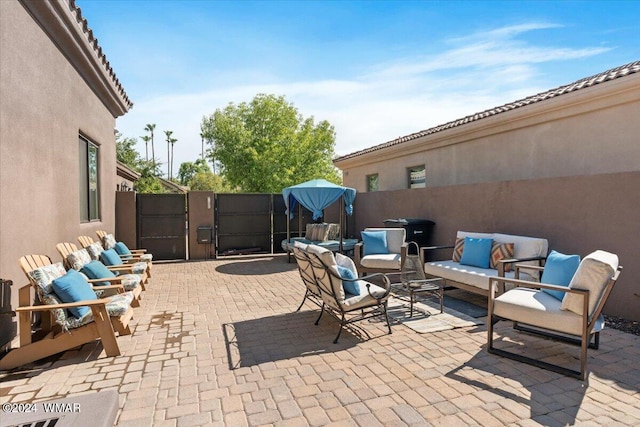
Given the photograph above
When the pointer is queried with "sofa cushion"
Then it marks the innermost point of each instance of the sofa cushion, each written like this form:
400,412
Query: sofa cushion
476,252
348,286
354,302
375,242
593,274
500,251
473,276
559,270
533,307
463,234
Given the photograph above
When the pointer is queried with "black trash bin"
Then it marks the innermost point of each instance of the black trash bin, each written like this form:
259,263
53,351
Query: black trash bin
418,230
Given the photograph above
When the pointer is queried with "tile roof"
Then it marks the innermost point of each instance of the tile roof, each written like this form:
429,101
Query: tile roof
612,74
93,42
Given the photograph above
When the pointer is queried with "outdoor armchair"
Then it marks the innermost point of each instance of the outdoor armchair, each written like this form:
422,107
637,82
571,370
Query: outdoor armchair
575,318
382,250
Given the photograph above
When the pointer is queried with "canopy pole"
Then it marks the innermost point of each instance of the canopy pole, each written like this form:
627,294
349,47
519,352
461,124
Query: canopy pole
288,213
341,214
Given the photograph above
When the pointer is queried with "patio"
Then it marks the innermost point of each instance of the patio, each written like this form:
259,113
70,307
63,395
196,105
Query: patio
218,343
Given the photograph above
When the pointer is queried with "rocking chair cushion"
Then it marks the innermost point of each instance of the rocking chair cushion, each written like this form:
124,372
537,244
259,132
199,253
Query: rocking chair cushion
43,276
95,249
73,288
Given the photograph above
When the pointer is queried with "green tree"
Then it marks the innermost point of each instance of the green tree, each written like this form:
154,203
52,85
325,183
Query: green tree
266,145
126,152
150,127
208,181
149,181
189,169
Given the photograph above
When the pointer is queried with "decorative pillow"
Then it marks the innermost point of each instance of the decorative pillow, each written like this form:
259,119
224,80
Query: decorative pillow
333,231
458,249
95,249
375,242
97,270
121,249
78,259
500,251
349,287
43,276
559,270
476,252
345,261
108,241
110,257
594,272
73,288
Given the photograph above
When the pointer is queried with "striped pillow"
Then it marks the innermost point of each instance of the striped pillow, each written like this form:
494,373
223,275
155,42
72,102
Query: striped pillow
458,249
500,251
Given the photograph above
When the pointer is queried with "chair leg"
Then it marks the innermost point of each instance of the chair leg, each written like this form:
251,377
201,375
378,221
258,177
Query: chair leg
321,311
306,294
386,316
412,297
340,331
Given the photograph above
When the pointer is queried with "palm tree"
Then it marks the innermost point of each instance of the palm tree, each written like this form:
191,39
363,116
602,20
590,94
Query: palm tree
146,140
173,141
149,128
168,133
202,140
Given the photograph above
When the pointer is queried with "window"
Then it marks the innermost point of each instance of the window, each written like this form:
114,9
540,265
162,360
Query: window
89,185
372,182
417,177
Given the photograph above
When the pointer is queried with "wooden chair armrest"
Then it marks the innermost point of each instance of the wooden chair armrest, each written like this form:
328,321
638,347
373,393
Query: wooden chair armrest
63,305
424,249
116,279
357,253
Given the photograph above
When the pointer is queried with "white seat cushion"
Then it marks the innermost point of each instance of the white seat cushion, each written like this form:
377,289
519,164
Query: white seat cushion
384,261
364,299
473,276
537,308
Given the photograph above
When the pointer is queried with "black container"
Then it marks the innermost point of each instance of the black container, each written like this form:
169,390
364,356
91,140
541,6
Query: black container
418,230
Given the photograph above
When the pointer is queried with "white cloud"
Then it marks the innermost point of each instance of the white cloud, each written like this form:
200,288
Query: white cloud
481,71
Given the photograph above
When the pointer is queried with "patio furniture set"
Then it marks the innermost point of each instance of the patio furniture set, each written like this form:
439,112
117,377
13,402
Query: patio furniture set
90,295
552,295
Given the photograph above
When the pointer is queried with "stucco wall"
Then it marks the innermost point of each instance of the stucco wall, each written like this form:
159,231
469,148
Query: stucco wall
591,131
44,105
576,214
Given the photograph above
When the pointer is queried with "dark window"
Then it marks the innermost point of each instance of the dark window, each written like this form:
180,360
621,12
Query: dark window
89,184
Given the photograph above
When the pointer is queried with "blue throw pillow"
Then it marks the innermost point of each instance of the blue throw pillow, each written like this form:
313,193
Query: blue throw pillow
97,270
375,242
122,249
72,287
110,257
477,252
559,270
349,287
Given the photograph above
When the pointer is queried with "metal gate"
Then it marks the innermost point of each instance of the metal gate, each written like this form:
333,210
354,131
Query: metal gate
243,223
161,225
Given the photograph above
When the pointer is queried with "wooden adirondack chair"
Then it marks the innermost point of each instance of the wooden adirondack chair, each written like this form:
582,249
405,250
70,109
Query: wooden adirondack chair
136,252
88,243
70,256
58,331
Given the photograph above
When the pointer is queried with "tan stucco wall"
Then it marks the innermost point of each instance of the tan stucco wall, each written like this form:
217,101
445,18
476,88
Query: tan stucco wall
44,104
591,131
576,214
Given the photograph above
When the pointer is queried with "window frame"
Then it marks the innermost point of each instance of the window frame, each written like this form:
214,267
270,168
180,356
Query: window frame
418,184
369,180
88,180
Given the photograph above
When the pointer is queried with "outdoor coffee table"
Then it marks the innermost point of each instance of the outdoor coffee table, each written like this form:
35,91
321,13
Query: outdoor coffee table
433,286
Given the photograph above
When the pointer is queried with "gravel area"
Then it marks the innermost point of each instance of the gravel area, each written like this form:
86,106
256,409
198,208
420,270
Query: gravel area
624,325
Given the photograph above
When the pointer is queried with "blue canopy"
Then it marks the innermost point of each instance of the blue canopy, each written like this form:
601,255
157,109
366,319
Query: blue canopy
316,195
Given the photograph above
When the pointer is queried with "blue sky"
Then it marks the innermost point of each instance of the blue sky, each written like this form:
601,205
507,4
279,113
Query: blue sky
376,70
